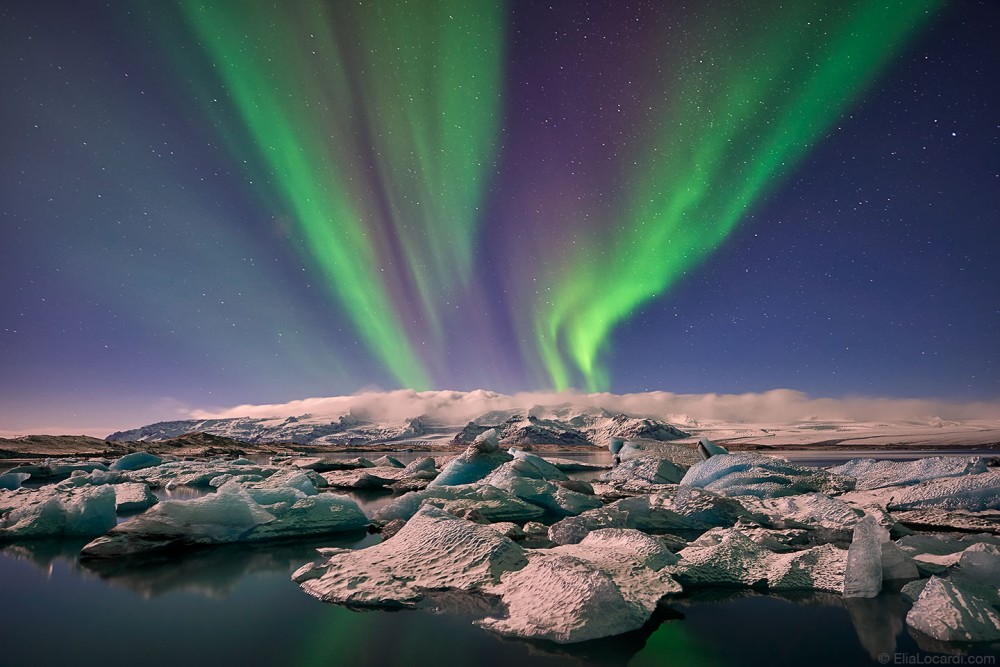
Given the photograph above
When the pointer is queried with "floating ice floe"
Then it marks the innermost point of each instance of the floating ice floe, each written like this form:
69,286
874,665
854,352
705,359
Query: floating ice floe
13,480
874,474
645,469
752,474
52,511
947,612
133,497
675,508
55,469
680,455
136,461
491,503
724,557
863,577
972,493
232,514
435,551
608,584
827,519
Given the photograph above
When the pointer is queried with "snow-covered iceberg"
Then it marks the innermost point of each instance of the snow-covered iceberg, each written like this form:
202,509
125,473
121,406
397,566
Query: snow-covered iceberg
435,551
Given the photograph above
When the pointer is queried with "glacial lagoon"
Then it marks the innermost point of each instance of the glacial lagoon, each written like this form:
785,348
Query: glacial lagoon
236,605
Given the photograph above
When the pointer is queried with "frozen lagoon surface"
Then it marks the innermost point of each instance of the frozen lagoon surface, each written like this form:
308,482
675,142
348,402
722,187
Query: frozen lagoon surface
237,605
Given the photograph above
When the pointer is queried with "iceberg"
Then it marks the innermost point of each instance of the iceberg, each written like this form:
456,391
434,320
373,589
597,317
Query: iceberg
707,449
645,469
136,461
481,458
133,497
435,551
56,512
493,504
875,474
608,584
12,481
752,474
863,577
949,613
675,508
232,514
725,557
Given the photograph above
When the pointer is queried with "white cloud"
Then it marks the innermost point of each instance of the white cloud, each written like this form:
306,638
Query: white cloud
778,405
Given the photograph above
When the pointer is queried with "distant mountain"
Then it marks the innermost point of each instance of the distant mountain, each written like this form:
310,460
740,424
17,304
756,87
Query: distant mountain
560,425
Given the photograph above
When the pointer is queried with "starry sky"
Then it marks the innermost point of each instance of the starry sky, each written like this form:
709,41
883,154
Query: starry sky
205,204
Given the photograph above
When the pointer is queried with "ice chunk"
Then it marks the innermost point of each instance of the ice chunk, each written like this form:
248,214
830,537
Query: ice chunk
494,504
481,458
683,456
53,469
707,449
645,469
752,474
949,613
863,578
56,512
133,497
608,584
675,508
435,551
897,565
874,474
545,469
728,558
548,495
615,445
937,519
388,461
12,480
828,519
233,514
971,493
136,461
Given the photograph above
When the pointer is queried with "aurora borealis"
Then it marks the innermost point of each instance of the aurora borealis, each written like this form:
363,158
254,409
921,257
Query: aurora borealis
208,203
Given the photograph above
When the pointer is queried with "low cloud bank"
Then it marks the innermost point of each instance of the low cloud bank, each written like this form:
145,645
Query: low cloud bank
778,405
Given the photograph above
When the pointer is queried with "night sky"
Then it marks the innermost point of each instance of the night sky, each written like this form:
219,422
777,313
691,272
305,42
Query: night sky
209,204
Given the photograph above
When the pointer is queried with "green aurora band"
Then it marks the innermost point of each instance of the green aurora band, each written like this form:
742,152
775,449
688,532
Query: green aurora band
376,128
740,115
